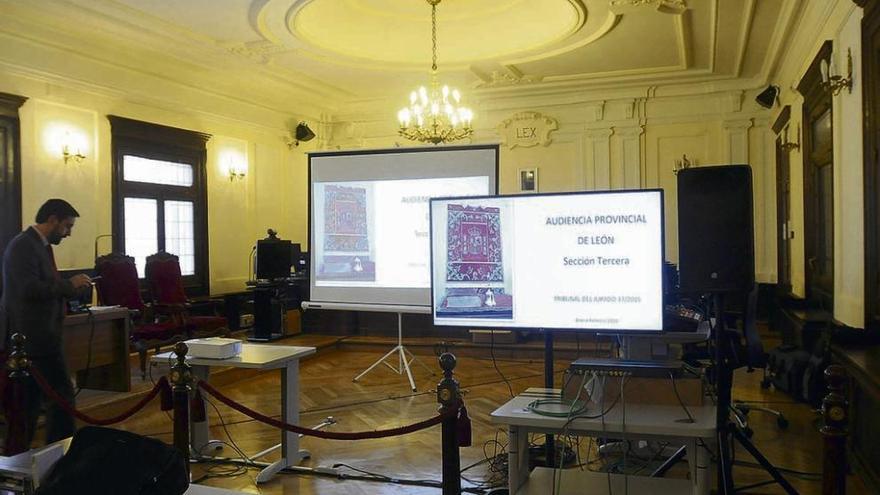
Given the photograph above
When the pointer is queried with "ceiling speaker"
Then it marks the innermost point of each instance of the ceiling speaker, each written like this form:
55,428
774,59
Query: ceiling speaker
767,97
303,133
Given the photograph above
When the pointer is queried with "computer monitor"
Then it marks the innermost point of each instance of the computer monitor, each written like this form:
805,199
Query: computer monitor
274,257
586,261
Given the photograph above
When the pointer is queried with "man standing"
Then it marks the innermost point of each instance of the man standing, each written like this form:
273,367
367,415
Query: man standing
33,304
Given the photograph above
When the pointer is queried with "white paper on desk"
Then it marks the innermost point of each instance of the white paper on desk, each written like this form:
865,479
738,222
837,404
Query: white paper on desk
98,309
42,462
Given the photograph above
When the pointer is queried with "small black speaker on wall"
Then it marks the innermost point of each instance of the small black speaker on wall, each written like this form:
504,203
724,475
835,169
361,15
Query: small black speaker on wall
716,247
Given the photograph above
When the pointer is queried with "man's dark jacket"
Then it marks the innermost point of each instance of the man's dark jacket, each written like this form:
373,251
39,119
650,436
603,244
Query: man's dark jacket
32,300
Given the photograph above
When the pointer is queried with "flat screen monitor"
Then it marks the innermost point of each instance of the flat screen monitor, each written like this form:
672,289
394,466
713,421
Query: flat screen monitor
368,234
273,259
588,261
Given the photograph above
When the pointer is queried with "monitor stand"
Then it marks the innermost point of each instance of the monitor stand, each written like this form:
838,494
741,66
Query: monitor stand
404,358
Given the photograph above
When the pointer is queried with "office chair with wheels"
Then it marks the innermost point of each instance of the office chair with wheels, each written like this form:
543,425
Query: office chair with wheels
740,412
755,358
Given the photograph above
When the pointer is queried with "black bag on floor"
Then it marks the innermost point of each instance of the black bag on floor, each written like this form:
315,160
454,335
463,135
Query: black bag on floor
787,365
115,462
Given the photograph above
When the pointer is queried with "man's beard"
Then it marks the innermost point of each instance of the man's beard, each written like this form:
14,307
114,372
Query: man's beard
54,238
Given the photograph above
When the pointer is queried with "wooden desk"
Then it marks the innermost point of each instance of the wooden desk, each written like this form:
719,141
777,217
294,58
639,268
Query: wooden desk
862,363
643,421
106,334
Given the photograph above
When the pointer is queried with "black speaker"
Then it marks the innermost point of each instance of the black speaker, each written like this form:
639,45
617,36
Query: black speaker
767,98
716,247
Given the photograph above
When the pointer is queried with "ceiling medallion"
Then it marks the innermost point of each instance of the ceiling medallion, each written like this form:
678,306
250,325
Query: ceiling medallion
436,115
662,5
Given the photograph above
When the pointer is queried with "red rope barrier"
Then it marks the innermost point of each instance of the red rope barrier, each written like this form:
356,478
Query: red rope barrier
161,385
330,435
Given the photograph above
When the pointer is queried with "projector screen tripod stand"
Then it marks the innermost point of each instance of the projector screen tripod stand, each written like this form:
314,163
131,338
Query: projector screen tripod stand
405,358
727,430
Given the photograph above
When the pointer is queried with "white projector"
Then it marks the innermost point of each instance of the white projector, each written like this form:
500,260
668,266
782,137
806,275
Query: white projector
214,348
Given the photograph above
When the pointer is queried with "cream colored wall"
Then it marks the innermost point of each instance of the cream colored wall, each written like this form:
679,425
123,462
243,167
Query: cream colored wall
796,212
239,212
615,141
849,232
44,175
839,21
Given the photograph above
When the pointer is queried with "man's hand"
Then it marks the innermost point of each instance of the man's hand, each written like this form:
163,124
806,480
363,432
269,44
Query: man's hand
80,281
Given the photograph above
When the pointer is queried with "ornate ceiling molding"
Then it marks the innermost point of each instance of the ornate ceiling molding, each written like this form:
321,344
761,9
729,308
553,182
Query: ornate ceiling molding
264,64
506,76
667,6
347,30
611,20
260,52
527,129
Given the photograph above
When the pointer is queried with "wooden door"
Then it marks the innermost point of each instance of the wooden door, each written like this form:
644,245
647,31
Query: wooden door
783,203
10,169
871,116
818,155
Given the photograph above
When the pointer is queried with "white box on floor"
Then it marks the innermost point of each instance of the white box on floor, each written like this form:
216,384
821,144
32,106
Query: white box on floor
214,348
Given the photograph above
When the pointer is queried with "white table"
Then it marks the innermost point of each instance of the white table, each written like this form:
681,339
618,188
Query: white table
210,490
262,357
643,421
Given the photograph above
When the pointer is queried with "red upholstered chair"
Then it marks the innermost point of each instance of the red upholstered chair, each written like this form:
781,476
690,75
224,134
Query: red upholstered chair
166,288
118,285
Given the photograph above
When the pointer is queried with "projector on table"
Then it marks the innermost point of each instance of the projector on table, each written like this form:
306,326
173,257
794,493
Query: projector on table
214,348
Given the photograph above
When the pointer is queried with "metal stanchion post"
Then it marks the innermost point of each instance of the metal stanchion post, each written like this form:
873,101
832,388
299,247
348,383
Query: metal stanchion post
834,431
18,366
449,397
181,377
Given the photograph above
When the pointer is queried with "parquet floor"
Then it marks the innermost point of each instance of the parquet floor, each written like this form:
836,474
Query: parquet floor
383,399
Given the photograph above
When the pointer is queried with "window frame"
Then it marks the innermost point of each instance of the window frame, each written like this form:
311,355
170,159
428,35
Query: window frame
158,142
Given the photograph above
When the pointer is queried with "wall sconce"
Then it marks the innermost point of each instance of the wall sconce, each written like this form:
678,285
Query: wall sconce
236,171
834,82
69,154
681,164
788,145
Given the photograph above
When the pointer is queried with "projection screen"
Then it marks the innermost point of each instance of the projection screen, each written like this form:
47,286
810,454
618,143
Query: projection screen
369,221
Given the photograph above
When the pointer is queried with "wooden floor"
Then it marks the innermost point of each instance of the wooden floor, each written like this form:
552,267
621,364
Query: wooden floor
383,399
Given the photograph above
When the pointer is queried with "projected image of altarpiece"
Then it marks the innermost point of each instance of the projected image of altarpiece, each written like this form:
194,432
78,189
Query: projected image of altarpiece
346,236
474,268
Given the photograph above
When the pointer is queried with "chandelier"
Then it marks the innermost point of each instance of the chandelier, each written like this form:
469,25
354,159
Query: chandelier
435,115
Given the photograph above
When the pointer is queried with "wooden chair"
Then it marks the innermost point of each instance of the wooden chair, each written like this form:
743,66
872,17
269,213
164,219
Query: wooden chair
152,327
166,289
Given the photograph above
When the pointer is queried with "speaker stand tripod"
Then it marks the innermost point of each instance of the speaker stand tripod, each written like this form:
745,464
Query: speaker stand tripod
405,358
725,357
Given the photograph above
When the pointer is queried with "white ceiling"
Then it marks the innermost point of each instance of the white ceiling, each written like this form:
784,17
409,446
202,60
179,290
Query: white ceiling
336,51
